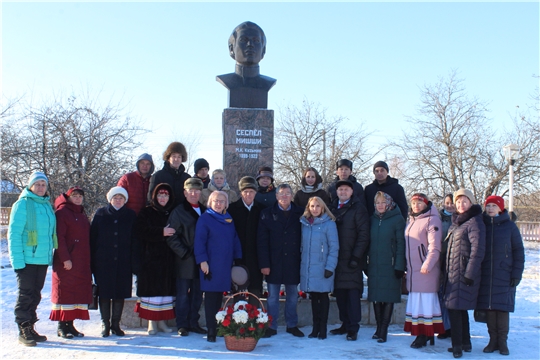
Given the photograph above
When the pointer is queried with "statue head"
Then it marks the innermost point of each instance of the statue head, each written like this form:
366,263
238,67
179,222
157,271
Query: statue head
247,44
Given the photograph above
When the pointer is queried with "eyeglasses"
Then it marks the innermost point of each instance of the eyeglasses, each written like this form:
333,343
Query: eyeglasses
285,195
218,201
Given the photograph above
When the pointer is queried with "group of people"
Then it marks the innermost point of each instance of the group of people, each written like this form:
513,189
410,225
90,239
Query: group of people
181,236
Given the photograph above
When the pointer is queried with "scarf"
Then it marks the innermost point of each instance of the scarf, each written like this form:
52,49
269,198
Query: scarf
390,204
31,222
267,189
308,189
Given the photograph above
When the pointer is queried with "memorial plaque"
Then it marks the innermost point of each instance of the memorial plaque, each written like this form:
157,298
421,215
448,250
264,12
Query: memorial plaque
248,142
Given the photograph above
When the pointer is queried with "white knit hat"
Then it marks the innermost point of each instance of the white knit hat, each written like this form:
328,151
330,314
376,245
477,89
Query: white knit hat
115,191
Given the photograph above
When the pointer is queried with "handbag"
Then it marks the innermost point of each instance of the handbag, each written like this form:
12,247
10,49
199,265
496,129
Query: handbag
480,316
94,304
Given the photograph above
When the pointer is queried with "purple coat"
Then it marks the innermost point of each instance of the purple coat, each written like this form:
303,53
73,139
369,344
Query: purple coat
423,235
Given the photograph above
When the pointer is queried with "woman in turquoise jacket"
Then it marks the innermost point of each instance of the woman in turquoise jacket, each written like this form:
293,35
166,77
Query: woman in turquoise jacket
31,239
320,248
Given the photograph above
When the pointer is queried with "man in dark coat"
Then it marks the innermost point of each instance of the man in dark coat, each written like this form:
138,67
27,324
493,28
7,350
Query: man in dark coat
188,288
278,248
173,172
137,183
343,172
201,167
387,184
246,213
352,222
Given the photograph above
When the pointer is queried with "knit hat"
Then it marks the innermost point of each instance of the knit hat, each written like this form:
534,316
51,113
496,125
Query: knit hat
193,183
497,200
265,171
72,189
344,162
117,190
248,182
344,182
36,176
464,192
421,197
380,164
199,164
175,147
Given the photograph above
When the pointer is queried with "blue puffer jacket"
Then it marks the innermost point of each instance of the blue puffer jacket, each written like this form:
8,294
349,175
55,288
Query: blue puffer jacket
320,249
504,261
19,252
466,247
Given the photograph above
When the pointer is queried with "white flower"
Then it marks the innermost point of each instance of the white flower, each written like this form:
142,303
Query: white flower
240,316
241,302
262,318
220,316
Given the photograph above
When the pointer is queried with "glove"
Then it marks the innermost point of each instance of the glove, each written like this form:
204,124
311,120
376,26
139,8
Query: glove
208,276
353,263
327,274
468,282
399,274
514,282
237,262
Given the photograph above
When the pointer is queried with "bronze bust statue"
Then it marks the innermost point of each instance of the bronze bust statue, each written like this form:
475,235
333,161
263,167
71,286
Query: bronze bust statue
247,87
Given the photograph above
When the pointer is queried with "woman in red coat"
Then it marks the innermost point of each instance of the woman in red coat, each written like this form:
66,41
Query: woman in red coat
72,277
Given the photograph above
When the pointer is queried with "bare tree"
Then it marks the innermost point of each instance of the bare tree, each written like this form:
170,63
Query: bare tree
450,145
306,137
74,142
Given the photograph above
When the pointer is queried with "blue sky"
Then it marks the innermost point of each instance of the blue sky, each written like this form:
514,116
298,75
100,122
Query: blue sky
364,61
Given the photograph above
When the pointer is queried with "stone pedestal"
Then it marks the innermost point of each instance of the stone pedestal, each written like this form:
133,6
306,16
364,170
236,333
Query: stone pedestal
248,142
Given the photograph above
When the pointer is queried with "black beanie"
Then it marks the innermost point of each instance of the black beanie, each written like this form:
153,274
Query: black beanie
381,164
199,164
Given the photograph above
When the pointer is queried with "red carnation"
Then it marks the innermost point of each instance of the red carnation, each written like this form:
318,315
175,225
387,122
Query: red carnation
240,307
251,328
261,326
230,310
282,293
226,322
242,331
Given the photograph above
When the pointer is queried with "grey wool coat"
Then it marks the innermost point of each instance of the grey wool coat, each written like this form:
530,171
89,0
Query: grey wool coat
466,248
386,254
320,248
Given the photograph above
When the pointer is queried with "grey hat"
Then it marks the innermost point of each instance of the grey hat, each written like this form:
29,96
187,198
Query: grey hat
248,182
381,164
193,183
465,192
36,176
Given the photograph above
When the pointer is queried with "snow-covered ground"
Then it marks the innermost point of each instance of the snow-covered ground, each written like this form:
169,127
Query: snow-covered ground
524,339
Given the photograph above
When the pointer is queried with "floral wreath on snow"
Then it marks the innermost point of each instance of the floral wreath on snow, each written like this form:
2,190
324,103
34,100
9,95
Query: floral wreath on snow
243,320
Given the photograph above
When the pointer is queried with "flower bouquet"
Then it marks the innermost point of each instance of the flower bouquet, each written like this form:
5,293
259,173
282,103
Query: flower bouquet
242,324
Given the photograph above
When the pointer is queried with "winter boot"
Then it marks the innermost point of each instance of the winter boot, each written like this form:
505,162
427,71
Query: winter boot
315,313
37,337
162,326
503,326
387,309
492,331
323,315
105,311
377,311
25,334
63,331
117,308
72,330
152,327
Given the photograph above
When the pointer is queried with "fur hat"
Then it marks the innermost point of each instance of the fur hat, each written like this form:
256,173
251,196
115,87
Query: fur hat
175,147
199,164
381,164
117,190
344,162
36,176
465,192
193,183
265,171
497,200
248,182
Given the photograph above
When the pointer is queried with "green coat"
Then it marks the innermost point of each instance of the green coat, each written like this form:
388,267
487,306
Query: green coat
386,254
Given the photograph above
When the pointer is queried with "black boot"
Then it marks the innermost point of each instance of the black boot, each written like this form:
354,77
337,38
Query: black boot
72,330
492,331
63,330
419,342
37,337
377,311
387,309
503,326
105,311
25,334
323,315
340,330
117,308
315,313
